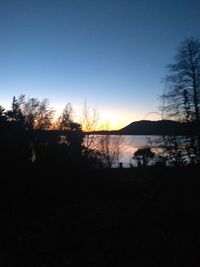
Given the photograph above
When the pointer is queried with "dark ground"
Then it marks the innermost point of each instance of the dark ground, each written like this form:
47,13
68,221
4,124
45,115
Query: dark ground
118,217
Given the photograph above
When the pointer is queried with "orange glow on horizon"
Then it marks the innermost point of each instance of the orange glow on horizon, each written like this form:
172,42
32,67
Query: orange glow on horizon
110,119
118,120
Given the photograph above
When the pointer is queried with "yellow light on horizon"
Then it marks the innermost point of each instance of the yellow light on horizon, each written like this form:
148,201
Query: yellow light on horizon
110,119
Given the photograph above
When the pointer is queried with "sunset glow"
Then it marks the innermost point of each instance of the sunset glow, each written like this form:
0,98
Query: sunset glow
110,53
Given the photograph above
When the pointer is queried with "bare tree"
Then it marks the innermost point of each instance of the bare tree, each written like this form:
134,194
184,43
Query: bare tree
90,123
110,148
182,96
181,99
104,150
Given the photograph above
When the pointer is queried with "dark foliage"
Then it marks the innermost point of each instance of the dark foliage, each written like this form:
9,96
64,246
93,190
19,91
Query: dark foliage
143,155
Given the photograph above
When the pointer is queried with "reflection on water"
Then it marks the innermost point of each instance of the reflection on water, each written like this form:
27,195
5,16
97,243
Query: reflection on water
169,150
128,144
133,143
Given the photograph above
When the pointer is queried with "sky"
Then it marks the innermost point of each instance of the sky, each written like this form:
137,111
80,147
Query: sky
110,53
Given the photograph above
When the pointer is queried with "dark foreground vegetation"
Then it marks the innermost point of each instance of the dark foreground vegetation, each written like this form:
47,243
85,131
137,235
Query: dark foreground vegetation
109,217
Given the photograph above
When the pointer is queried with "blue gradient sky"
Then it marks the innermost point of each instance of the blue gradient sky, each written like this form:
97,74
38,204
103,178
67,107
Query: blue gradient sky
111,53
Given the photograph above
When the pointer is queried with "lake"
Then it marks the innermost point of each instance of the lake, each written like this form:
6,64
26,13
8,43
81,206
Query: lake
127,145
132,143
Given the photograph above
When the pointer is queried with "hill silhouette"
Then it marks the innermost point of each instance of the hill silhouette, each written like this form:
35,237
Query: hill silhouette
160,127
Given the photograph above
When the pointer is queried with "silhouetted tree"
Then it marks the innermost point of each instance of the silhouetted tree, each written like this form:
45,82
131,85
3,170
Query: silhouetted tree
2,115
30,111
15,114
66,118
143,155
14,139
109,149
182,96
26,116
89,121
74,137
35,114
61,147
181,99
45,115
26,137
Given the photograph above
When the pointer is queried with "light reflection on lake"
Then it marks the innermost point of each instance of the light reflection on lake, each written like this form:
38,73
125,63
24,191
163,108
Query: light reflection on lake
129,144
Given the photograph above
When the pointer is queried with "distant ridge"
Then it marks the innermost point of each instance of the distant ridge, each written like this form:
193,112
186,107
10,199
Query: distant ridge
160,127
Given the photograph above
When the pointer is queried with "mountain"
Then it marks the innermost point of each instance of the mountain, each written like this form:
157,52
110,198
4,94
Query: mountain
160,127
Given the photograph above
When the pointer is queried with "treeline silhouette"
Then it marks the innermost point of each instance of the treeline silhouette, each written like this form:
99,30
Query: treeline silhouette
30,136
